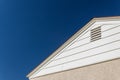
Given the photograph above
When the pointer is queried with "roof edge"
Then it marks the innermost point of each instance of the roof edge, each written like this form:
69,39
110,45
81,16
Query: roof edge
62,46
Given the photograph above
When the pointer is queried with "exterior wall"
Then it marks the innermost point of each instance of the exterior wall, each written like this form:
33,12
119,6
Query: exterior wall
82,52
109,70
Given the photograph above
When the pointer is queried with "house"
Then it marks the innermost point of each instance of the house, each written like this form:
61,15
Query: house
93,53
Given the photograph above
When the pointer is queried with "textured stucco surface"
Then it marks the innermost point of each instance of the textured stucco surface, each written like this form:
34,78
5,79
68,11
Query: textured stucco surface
109,70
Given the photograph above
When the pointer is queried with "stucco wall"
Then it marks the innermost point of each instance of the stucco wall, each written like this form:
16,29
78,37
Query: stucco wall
109,70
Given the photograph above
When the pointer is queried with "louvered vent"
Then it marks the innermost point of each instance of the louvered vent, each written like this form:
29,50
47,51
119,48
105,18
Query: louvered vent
95,34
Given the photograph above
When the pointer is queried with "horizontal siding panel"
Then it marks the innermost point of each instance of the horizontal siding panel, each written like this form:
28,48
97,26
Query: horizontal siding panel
89,45
87,34
111,31
49,70
78,43
107,27
91,60
85,54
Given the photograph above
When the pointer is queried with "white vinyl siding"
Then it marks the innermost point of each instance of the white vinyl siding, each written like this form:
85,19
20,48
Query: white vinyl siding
82,51
106,44
86,44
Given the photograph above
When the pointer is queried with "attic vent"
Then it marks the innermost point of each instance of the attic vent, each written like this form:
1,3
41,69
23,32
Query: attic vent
95,34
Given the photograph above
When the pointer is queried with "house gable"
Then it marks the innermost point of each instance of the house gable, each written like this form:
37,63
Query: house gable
80,51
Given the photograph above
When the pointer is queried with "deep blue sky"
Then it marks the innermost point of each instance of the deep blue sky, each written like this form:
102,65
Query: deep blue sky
30,30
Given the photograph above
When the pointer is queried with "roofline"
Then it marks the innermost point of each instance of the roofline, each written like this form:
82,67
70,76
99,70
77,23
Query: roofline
70,40
107,18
